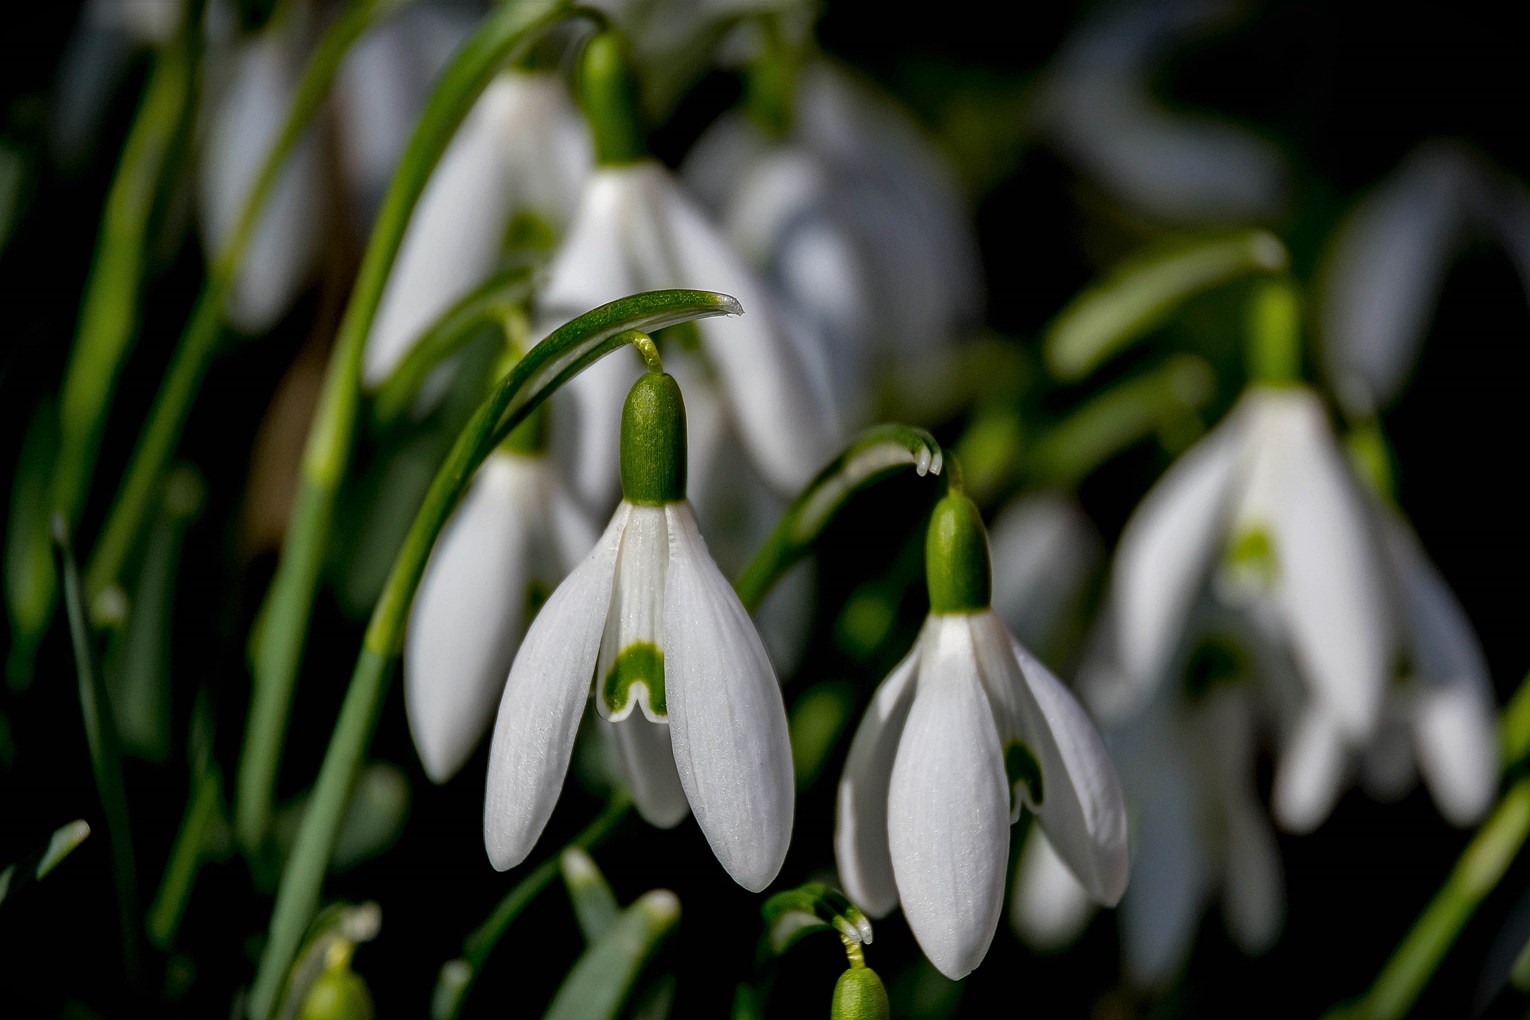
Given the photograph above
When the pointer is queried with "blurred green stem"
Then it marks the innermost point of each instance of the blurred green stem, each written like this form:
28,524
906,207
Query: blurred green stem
161,434
283,624
105,755
200,831
562,355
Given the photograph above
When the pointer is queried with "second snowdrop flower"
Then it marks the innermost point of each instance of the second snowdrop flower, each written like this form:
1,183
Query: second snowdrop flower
963,734
678,672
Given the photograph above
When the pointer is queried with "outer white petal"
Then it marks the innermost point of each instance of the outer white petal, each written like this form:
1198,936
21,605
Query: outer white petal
1457,739
543,701
1047,907
727,720
860,820
468,619
1083,811
1045,549
1162,560
948,806
648,761
1310,773
1329,581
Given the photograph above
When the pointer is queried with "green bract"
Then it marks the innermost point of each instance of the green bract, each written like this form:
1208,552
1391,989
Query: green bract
956,557
653,442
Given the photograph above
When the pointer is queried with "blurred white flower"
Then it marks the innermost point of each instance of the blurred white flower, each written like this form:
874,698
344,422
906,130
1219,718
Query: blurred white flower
1047,551
519,159
512,539
1387,262
853,219
1094,105
245,114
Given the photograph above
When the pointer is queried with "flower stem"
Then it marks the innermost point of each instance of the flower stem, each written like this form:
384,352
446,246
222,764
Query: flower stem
105,755
284,618
564,354
198,345
186,858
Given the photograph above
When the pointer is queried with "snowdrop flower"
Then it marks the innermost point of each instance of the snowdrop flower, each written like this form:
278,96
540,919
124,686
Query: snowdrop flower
965,732
513,538
679,674
1387,262
516,165
852,217
1094,105
636,230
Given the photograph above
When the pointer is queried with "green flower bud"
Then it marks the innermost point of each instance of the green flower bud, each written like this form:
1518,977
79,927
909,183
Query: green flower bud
859,995
608,90
956,557
338,994
653,442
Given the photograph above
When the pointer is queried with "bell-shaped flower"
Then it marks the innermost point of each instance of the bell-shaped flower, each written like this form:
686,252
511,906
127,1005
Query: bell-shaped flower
1094,105
1265,511
679,673
966,732
1388,259
512,173
853,219
512,539
251,93
636,229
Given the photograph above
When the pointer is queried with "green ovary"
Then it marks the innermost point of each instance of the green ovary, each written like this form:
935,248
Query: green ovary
639,665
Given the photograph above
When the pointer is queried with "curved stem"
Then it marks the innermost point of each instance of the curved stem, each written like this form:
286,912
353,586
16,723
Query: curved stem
283,628
566,352
874,454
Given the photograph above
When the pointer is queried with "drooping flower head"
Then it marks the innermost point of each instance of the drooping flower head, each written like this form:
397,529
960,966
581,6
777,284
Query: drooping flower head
677,670
965,733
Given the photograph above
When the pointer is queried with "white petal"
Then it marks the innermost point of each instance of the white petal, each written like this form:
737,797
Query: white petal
1045,550
1457,738
542,704
727,719
948,807
1165,552
1328,584
1254,893
467,619
1083,811
636,617
648,761
1310,773
1047,907
860,821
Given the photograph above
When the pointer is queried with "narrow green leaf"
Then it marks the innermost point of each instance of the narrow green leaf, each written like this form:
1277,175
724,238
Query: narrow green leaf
589,893
817,721
203,831
29,585
1139,294
35,867
600,981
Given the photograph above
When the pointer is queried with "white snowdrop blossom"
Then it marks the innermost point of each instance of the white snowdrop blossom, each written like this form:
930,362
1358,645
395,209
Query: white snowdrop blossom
245,118
679,674
513,538
1093,103
518,160
968,730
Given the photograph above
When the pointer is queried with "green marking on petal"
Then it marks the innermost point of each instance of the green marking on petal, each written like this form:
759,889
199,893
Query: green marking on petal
1021,766
537,595
641,664
529,232
1216,661
1252,557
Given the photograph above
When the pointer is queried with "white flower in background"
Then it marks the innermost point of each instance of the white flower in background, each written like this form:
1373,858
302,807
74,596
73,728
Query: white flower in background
520,157
853,219
246,112
637,230
680,674
1387,262
1047,551
965,732
512,539
1265,511
1095,107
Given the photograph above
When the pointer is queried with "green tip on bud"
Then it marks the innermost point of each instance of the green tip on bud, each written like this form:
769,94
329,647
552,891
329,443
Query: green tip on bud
608,89
859,995
956,557
653,442
1275,333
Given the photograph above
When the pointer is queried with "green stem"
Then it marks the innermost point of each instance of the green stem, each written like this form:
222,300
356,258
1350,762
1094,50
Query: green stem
105,755
186,858
1515,725
1481,865
194,354
566,352
874,454
289,601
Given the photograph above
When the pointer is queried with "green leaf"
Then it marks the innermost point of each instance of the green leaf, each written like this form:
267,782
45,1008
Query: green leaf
589,893
600,981
818,719
35,867
30,587
1142,292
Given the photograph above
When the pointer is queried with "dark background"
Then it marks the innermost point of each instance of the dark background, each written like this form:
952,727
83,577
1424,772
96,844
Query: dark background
1346,91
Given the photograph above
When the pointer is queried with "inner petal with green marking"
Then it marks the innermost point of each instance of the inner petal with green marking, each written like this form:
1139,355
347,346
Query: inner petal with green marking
1024,773
630,672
